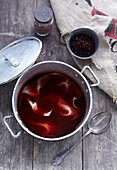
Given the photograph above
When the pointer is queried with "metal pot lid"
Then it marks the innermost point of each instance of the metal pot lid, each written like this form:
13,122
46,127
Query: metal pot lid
18,56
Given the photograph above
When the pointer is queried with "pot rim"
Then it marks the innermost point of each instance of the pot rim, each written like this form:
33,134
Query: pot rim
58,138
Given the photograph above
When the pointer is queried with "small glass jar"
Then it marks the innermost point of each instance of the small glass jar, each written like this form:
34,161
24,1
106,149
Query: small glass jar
43,20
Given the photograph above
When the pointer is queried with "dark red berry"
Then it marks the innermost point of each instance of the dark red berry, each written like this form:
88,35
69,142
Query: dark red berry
82,45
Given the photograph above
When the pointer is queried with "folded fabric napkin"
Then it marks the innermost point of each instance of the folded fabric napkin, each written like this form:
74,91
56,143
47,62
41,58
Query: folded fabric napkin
73,14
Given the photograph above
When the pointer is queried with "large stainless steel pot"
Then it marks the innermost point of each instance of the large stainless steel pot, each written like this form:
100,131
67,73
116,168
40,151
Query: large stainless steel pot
46,67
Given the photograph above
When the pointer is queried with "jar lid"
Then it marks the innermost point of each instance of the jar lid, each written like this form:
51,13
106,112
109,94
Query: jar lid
43,14
17,57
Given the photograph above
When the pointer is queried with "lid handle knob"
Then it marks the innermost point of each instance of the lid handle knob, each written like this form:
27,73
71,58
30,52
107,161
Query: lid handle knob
12,60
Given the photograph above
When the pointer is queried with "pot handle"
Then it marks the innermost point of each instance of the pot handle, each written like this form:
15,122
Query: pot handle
95,77
8,127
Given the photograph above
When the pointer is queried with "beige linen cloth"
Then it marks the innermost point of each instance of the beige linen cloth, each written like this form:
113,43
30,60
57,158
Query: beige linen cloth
73,14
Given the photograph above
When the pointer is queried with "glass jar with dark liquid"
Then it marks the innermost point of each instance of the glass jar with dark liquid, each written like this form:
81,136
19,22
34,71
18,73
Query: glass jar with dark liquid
43,20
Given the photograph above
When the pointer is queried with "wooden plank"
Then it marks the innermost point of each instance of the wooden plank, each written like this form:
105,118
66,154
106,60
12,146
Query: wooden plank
16,21
53,49
100,151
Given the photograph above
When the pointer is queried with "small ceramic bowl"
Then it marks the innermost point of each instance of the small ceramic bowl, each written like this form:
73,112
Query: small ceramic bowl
88,32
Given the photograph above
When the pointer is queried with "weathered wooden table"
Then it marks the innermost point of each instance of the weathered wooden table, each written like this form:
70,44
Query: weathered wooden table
96,152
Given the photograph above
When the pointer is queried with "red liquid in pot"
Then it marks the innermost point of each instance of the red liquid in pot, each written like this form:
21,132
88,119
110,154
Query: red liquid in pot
51,106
